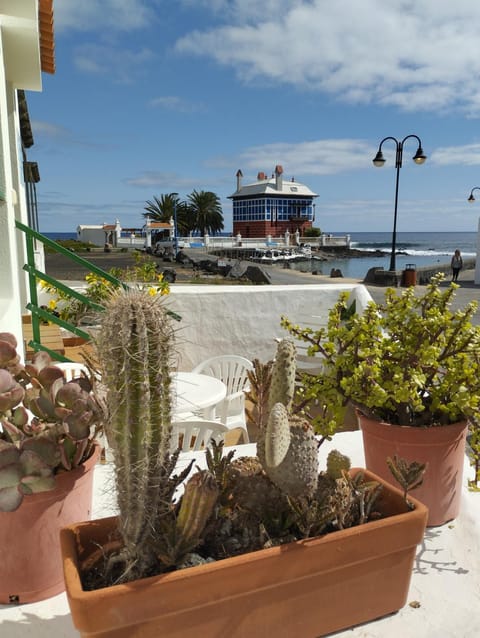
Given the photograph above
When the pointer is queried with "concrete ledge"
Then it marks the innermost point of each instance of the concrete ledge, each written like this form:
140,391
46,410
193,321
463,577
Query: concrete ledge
381,277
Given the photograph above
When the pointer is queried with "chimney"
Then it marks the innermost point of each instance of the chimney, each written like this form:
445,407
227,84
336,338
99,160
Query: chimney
239,179
261,175
278,177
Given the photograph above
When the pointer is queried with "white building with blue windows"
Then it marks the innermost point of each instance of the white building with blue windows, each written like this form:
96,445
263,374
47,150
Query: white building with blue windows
272,206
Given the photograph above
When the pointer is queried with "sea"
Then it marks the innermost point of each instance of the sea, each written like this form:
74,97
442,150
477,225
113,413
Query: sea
412,248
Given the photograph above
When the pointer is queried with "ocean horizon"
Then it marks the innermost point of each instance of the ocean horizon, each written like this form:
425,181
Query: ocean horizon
417,248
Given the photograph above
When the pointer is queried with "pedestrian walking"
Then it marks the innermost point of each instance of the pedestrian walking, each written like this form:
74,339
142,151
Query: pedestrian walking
456,264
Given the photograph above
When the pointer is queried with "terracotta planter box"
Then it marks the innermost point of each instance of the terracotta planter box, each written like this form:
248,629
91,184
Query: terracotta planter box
441,448
30,561
306,589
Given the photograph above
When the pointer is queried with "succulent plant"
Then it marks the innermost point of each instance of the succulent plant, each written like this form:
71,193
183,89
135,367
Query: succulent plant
287,447
233,506
46,424
411,360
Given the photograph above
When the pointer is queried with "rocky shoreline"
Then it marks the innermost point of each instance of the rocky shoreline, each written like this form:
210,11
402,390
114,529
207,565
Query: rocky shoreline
60,267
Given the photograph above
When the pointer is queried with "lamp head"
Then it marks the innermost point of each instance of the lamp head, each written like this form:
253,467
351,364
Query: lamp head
378,160
419,157
471,199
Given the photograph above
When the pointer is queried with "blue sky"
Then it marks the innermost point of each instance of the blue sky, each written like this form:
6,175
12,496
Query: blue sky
160,96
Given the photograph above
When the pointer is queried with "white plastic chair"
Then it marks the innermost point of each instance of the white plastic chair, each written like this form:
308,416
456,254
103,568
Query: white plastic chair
194,435
232,370
72,370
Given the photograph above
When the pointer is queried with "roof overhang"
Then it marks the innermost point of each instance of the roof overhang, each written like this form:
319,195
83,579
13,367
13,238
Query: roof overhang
28,41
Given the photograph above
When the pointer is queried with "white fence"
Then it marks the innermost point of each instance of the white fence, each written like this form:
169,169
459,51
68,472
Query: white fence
215,242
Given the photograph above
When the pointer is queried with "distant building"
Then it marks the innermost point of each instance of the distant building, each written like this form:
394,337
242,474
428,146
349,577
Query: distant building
272,206
117,236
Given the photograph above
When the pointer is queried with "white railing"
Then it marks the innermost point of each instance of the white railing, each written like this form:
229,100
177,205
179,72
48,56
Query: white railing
215,242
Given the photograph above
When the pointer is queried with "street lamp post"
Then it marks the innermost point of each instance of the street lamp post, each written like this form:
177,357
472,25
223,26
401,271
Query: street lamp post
471,199
379,160
175,226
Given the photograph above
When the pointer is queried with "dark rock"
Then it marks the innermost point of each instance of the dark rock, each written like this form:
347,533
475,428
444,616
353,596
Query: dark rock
336,272
257,275
183,258
237,270
169,275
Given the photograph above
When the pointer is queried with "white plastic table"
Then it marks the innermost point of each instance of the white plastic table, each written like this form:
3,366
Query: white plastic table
197,392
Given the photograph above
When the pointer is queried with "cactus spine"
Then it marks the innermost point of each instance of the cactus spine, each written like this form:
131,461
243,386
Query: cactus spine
135,348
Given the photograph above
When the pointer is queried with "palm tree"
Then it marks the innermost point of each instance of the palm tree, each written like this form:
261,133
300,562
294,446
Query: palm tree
206,211
162,209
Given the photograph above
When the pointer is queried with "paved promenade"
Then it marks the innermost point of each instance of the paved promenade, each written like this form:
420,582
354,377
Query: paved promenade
466,292
59,267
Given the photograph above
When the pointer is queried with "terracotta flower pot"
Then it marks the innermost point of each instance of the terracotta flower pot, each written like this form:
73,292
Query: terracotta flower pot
30,560
307,588
441,448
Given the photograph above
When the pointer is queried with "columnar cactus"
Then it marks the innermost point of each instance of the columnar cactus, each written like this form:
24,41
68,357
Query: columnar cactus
282,387
135,349
288,449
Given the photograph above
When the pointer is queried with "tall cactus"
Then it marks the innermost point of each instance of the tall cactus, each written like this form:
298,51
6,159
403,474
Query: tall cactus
288,449
135,349
282,387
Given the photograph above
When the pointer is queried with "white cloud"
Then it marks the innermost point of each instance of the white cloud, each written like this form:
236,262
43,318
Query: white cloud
89,15
414,54
467,155
121,64
320,157
49,130
168,181
175,103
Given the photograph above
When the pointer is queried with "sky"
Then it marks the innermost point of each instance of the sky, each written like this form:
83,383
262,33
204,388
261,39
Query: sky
158,96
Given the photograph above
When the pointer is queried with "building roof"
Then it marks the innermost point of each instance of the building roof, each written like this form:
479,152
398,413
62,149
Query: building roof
159,225
269,187
47,37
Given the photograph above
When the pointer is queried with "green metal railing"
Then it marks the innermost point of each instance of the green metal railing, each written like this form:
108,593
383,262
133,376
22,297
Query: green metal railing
39,314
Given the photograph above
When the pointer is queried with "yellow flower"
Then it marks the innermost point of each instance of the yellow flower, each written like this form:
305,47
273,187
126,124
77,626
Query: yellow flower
52,304
152,292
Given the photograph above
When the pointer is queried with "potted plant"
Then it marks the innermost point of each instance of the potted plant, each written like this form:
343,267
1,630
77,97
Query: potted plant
411,366
47,454
255,545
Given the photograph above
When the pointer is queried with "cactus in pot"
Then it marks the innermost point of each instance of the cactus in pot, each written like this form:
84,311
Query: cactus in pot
232,506
135,350
287,447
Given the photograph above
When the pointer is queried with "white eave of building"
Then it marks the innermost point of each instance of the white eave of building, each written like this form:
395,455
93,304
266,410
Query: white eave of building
21,46
269,187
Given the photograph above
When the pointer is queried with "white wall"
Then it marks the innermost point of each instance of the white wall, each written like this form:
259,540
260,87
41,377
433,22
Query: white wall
95,235
20,68
10,290
245,320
